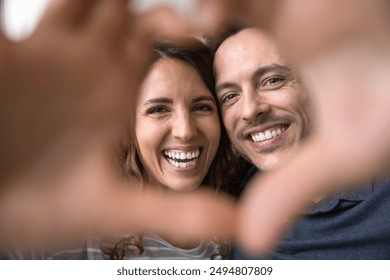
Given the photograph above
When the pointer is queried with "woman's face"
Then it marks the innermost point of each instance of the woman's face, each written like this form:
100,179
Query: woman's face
177,129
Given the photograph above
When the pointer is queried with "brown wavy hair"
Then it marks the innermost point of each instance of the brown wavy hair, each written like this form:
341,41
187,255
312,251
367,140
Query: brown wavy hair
222,169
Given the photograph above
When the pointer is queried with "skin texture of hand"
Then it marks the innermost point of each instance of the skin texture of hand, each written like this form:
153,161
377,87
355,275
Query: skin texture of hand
89,199
79,69
216,14
67,95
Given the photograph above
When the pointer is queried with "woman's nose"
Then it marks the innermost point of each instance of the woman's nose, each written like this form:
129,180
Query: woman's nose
184,127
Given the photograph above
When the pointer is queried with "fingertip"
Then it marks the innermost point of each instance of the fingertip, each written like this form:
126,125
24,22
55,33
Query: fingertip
68,12
155,24
164,22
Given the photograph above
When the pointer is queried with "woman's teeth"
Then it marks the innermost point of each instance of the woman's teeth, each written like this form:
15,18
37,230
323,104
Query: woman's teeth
182,159
182,155
182,164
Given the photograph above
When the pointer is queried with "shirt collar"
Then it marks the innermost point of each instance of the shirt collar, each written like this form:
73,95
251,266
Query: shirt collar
359,194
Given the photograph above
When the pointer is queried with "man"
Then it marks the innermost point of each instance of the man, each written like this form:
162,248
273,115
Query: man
264,108
268,115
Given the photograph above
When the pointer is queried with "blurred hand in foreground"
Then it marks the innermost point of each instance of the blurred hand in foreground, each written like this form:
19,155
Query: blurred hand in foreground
72,82
67,95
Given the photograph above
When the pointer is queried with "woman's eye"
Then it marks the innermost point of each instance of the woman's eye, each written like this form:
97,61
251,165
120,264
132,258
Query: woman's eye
203,108
157,110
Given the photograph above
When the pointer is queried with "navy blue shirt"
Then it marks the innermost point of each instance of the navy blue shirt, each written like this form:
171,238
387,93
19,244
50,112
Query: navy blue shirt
353,225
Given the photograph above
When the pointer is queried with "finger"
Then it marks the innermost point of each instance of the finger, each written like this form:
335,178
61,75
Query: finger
272,202
89,200
353,23
4,46
192,215
160,23
215,15
109,22
67,12
2,38
58,221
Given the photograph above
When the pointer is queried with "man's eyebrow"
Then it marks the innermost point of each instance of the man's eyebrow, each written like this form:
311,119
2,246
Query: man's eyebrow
270,68
258,73
159,100
202,98
224,85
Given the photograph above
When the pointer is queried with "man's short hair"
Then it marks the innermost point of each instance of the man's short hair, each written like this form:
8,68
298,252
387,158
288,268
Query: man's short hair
216,41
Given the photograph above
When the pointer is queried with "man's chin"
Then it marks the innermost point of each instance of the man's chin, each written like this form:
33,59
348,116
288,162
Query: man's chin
269,162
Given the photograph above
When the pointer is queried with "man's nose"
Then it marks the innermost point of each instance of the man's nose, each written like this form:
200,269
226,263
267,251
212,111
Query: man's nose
253,104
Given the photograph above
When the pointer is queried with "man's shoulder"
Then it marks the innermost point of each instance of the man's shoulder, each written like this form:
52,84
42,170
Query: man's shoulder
248,176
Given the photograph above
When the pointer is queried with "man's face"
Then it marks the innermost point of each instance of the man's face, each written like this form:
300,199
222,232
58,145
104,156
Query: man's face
264,108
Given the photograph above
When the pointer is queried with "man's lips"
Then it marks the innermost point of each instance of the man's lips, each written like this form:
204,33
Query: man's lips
267,133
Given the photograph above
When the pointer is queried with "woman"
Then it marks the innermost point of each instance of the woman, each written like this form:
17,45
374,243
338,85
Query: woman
177,129
177,144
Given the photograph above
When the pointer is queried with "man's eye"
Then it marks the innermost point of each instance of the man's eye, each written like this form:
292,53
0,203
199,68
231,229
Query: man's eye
228,97
274,82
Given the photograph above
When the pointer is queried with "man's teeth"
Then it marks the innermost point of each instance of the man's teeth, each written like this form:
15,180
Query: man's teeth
268,134
182,164
182,155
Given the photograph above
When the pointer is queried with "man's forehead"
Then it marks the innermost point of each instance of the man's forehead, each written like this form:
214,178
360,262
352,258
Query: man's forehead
249,42
242,54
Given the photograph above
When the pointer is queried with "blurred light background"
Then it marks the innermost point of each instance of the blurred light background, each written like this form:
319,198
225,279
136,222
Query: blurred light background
20,17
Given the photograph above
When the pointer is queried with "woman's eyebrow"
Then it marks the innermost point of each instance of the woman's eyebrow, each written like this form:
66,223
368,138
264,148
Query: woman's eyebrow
159,100
203,98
